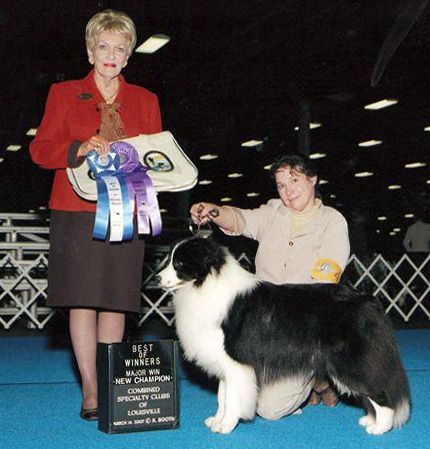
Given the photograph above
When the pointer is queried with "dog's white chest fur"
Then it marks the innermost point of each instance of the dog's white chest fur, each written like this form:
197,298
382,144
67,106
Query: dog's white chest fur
200,311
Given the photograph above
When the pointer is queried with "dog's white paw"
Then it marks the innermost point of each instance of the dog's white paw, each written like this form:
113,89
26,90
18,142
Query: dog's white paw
224,426
378,428
210,421
372,426
366,420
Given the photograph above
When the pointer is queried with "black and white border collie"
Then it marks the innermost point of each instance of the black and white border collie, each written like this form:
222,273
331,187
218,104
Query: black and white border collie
247,333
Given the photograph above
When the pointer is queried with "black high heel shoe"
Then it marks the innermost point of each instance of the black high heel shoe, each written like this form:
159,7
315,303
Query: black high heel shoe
89,414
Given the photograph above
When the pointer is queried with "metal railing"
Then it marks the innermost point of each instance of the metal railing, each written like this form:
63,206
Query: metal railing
402,285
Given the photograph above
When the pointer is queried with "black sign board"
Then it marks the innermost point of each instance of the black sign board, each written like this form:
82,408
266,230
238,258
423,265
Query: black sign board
137,386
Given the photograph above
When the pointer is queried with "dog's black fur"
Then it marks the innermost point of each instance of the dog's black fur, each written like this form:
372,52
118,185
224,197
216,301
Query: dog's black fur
332,329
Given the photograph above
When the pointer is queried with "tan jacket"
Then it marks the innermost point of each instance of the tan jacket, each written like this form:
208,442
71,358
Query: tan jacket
321,244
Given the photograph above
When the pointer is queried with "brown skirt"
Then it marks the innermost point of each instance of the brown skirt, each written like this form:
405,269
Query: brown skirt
84,272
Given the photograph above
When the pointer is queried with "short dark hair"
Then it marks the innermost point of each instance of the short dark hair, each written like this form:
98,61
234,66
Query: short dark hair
298,162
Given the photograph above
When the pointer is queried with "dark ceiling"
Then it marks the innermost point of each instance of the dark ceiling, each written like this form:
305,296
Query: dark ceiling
236,70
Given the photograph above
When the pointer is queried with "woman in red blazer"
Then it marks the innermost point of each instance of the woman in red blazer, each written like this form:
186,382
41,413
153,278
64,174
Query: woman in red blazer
98,281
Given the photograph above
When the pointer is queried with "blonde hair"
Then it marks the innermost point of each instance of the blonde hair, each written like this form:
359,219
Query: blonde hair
116,22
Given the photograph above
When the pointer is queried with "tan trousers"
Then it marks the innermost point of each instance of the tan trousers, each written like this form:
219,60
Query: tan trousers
284,397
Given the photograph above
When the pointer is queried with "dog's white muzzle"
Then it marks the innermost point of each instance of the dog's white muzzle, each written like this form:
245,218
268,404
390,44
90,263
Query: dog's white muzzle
169,280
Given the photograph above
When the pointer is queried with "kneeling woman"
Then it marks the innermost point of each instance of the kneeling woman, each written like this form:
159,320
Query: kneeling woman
301,241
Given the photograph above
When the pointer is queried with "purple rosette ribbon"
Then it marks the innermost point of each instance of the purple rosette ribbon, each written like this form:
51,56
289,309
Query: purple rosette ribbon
140,187
128,157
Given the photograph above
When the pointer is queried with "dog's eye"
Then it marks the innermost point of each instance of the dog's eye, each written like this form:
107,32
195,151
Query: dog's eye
178,264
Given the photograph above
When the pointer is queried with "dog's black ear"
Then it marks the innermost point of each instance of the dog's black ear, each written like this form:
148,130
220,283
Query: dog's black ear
212,259
215,253
199,257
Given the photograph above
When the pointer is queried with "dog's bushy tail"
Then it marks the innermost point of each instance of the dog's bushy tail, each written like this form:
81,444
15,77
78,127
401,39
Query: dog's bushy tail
375,369
396,382
399,386
402,412
400,393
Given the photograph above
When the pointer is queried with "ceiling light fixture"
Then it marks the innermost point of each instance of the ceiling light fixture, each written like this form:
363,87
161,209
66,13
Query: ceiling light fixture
370,143
235,175
205,182
317,155
226,199
322,182
267,167
427,128
251,143
31,132
382,218
311,126
394,187
363,174
154,43
409,215
415,165
397,229
208,157
13,148
252,194
381,104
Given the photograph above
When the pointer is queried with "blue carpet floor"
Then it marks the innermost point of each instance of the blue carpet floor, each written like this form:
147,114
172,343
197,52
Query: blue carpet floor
40,399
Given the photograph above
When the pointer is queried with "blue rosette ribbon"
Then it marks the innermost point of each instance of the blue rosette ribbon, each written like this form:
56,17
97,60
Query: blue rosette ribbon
123,185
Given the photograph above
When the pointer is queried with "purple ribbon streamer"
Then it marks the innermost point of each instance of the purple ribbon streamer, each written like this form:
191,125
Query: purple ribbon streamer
140,187
147,203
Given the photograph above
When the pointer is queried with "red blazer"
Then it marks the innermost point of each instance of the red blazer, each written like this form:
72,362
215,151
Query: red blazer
71,114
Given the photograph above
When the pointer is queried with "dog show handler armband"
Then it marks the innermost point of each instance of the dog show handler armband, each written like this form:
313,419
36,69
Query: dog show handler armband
326,270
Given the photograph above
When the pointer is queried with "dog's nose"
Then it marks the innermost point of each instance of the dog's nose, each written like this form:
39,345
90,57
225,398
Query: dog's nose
157,279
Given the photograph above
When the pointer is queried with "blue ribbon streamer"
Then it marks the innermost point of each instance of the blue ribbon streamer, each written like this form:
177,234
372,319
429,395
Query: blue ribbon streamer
102,212
103,166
